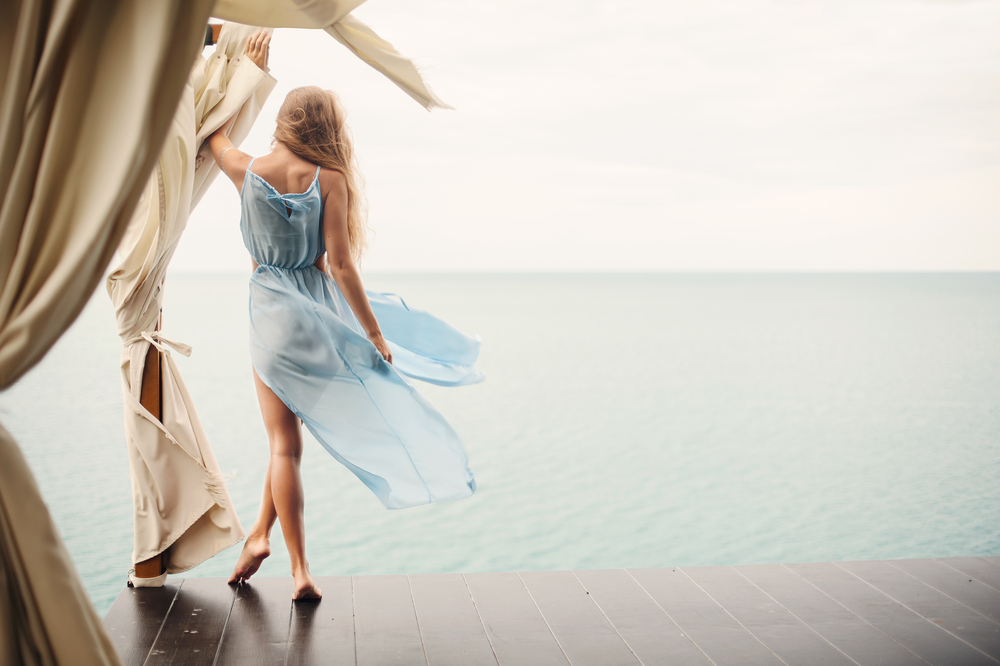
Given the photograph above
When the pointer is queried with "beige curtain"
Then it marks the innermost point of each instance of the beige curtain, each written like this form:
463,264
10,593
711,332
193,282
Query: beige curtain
89,90
334,17
181,506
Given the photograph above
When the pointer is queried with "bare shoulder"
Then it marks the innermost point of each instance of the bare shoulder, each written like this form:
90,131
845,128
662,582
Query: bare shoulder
234,163
333,185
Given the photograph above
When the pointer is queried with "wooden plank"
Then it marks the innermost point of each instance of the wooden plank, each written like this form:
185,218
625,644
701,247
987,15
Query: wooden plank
257,631
976,568
323,632
852,635
451,629
385,623
712,629
585,634
653,637
773,625
925,639
965,623
516,629
135,619
955,584
193,629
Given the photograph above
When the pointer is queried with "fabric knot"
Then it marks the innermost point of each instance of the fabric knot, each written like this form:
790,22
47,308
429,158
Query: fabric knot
160,342
293,204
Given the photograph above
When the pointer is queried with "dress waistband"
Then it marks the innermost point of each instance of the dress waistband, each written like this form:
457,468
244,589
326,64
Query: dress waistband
285,268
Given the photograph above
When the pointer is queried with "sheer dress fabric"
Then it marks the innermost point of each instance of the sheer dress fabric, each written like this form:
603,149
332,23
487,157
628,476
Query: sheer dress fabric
308,347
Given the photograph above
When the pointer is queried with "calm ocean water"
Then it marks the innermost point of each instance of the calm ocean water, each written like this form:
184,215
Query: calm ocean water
626,421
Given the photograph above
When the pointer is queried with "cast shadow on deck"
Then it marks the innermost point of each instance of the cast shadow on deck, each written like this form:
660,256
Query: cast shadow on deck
932,611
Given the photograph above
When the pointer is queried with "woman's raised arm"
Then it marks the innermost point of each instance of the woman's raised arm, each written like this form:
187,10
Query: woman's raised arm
232,161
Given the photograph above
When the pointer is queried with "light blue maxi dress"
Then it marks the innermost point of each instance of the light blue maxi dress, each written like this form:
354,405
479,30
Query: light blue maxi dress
308,347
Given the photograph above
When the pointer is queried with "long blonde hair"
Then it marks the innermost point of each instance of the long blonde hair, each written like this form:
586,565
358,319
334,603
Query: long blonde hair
311,124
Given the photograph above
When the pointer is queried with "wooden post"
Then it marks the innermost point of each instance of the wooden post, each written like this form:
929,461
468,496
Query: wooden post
150,398
212,33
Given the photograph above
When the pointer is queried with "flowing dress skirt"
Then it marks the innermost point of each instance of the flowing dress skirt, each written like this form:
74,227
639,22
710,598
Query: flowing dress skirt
308,347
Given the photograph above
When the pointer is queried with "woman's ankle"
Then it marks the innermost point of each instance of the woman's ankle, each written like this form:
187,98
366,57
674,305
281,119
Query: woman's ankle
259,539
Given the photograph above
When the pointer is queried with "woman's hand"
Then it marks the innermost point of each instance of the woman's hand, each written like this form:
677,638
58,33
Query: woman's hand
259,48
382,346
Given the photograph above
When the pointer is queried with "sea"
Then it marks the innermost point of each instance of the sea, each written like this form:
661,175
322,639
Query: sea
626,420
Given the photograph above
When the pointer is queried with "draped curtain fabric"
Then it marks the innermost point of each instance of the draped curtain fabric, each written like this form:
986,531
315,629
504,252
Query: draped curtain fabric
181,506
89,91
334,17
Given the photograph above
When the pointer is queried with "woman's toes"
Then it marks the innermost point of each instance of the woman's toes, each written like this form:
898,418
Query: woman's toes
254,552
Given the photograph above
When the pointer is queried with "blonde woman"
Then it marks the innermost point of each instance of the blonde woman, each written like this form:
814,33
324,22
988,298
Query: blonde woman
325,352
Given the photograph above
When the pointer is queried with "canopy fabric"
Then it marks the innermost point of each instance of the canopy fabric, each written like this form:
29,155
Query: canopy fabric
381,55
285,13
89,91
334,17
181,505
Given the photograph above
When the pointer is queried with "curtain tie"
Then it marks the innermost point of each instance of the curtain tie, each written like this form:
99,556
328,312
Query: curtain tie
160,343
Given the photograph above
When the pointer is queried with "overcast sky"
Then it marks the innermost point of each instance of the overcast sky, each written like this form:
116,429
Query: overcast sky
662,135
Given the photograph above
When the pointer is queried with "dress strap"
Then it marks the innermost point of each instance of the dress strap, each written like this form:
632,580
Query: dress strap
252,160
317,172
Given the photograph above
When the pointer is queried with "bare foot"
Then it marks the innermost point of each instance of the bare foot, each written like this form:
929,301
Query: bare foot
255,551
305,588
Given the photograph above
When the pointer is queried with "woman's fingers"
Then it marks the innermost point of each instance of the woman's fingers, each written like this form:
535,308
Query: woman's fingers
383,349
253,42
257,48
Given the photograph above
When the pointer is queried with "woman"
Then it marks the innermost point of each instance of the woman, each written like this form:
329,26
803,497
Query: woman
320,354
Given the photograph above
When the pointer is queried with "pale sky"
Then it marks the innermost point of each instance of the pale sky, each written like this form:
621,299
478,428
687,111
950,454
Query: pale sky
660,135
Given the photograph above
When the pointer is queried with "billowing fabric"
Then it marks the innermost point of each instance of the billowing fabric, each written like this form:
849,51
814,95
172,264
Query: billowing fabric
308,347
334,17
181,507
89,89
285,13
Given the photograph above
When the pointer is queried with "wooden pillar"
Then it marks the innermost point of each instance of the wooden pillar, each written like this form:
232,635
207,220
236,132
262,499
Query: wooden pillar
150,398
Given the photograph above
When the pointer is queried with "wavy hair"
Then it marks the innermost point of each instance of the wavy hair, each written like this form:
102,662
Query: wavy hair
311,124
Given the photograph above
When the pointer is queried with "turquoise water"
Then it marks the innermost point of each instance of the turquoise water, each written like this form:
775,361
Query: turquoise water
626,420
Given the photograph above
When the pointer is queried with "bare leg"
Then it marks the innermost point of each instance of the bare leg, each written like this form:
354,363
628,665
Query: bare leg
258,544
283,497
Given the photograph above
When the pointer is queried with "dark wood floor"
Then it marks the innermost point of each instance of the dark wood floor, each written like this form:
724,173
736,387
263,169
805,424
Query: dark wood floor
942,611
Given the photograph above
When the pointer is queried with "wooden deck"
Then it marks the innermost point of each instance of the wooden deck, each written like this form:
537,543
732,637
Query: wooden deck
932,611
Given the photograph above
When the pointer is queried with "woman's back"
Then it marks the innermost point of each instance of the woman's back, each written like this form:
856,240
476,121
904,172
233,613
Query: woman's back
281,220
286,172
